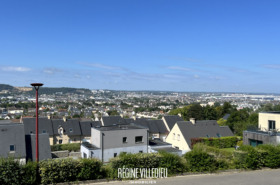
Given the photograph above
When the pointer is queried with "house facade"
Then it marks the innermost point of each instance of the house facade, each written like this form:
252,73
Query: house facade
266,132
109,141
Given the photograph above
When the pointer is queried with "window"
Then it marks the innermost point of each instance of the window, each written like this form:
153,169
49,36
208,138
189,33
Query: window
44,131
138,139
177,147
141,151
178,137
124,139
70,129
60,141
207,136
69,141
85,155
92,154
218,135
115,154
12,148
271,125
74,139
174,136
31,132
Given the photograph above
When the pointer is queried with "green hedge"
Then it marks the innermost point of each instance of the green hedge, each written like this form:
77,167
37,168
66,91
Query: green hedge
49,171
216,151
223,142
70,147
272,158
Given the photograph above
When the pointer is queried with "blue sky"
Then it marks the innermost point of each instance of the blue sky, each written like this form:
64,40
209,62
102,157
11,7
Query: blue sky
209,46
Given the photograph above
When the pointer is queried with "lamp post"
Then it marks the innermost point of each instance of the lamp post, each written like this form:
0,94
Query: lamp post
36,86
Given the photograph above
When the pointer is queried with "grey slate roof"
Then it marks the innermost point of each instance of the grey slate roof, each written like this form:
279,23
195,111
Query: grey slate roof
70,123
129,120
44,124
152,125
86,126
226,116
141,121
171,120
161,126
110,120
201,129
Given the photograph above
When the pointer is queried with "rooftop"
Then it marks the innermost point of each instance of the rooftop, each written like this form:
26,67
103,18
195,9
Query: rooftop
89,146
167,149
272,112
120,127
157,143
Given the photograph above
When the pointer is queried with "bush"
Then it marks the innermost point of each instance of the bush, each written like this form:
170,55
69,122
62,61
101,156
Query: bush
200,161
239,143
69,146
223,142
59,170
272,157
90,169
253,158
172,162
216,151
139,160
10,171
30,173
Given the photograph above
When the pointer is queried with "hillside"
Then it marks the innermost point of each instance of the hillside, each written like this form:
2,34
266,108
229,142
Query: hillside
47,90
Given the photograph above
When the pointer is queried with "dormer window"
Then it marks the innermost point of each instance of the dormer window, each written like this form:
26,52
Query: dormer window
207,136
218,135
44,131
31,132
70,129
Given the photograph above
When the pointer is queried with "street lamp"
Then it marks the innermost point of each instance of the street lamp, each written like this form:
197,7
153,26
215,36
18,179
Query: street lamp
36,86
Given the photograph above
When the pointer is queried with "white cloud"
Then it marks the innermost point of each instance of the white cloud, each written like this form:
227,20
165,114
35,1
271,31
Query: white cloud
13,68
88,77
77,76
180,68
196,76
272,66
51,70
98,65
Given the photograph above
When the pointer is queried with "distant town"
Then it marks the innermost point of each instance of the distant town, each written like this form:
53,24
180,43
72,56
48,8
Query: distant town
93,104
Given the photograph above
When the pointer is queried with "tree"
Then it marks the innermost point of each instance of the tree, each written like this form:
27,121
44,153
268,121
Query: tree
76,116
183,111
217,104
237,117
227,108
209,113
222,122
253,119
195,111
18,117
113,113
159,116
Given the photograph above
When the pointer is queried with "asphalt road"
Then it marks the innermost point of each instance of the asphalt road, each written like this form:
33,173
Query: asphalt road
263,177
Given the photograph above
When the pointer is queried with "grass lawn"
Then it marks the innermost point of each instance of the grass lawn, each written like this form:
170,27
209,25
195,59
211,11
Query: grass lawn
228,149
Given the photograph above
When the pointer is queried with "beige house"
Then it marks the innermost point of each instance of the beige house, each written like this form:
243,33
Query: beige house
183,131
269,121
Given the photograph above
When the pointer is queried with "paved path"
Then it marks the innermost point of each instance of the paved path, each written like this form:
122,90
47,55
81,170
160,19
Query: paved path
263,177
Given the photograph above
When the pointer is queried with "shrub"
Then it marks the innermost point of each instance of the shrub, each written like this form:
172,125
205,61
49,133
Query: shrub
10,171
30,173
59,170
239,143
272,157
90,169
223,142
69,146
200,161
139,160
216,151
172,162
253,158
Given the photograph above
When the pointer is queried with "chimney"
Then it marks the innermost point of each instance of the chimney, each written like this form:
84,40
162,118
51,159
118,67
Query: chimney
49,116
64,118
179,114
192,120
121,115
134,117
